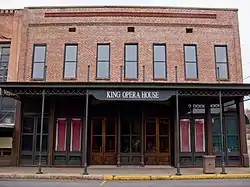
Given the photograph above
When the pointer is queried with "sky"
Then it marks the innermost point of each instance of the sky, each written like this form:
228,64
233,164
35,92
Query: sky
242,5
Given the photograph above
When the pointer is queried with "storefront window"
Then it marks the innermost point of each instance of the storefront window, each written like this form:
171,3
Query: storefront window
185,135
232,135
216,134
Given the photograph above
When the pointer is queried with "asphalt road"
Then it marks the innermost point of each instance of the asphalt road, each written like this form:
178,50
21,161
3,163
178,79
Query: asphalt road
182,183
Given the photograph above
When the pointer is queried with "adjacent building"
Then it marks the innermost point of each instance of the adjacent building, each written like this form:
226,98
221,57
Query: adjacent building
116,82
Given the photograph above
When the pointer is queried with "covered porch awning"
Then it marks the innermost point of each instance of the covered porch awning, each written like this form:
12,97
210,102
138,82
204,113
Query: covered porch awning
18,89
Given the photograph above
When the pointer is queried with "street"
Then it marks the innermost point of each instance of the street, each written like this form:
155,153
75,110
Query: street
181,183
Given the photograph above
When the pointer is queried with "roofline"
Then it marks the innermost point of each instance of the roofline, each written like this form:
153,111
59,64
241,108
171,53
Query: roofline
128,85
137,7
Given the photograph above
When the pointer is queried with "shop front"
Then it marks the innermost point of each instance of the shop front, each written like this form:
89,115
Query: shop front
129,125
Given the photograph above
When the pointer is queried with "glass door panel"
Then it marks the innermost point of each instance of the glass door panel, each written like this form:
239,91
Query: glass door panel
185,144
199,135
61,133
75,141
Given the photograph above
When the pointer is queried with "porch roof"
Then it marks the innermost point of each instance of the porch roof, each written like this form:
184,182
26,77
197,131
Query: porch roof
79,88
139,85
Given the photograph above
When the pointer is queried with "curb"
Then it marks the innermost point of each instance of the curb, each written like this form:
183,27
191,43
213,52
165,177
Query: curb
14,176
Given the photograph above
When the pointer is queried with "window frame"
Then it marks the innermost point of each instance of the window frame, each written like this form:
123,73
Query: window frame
227,68
33,62
64,60
125,61
103,61
165,60
4,63
190,62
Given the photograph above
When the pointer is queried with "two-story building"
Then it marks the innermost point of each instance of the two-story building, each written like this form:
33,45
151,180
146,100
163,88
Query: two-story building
118,79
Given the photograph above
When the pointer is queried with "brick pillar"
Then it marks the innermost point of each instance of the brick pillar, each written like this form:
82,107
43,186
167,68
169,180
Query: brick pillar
242,132
16,135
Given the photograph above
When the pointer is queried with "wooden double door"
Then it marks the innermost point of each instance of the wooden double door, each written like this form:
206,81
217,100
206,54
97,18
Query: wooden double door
103,141
157,141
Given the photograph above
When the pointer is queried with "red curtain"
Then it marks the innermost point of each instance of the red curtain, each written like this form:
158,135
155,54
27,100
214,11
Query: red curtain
61,135
185,135
76,135
199,136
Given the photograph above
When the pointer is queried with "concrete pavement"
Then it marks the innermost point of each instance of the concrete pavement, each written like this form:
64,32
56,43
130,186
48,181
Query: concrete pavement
196,183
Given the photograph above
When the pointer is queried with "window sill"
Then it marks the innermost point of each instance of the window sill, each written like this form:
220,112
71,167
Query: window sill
105,79
36,79
192,79
226,80
69,79
128,79
160,79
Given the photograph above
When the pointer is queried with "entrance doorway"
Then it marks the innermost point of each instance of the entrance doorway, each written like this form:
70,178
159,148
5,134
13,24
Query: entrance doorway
157,141
130,140
103,141
68,141
192,141
30,141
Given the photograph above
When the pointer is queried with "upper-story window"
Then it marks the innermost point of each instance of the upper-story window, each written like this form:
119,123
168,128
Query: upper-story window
70,60
190,58
4,60
131,61
221,61
103,61
159,61
39,59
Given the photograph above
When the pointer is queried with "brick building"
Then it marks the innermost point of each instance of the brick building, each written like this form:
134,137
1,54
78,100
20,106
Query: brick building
111,78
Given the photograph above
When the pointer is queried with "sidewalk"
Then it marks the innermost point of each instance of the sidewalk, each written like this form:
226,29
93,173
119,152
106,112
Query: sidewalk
125,173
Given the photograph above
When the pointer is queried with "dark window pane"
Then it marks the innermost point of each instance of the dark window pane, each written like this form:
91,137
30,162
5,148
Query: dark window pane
125,144
28,125
131,70
7,117
38,70
27,142
97,127
5,51
131,53
125,126
103,70
110,144
110,127
70,70
39,54
136,144
103,53
163,127
222,70
190,53
8,103
71,53
44,143
159,70
231,124
164,144
45,125
221,54
191,70
217,143
159,53
216,126
233,143
151,127
135,127
97,143
151,143
5,58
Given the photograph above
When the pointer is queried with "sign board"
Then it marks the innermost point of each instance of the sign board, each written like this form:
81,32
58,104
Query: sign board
132,95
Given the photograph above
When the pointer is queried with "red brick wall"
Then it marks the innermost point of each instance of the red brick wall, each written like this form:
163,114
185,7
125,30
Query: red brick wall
168,27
